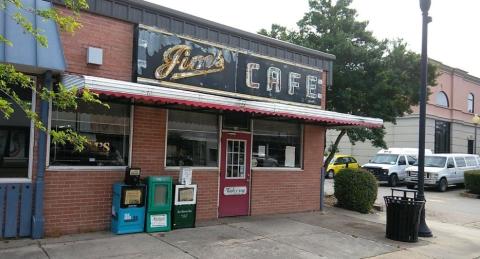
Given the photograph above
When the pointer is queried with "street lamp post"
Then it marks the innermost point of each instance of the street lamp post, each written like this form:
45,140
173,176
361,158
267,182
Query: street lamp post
423,231
475,121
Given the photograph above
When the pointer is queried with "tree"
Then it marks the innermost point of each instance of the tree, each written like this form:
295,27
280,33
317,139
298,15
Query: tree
60,97
371,77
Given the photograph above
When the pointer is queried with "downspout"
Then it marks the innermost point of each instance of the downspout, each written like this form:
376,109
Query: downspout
38,219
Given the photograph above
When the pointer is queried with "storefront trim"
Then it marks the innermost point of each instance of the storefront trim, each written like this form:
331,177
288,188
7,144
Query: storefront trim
86,168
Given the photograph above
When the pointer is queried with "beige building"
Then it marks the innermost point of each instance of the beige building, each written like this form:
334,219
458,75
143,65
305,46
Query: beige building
449,128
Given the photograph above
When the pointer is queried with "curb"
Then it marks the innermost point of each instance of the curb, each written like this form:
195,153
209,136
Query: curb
470,195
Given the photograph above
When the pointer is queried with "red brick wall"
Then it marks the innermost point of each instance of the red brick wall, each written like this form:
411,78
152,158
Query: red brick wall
291,191
81,201
78,201
113,36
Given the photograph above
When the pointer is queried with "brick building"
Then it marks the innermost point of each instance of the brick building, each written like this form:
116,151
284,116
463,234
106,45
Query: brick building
240,109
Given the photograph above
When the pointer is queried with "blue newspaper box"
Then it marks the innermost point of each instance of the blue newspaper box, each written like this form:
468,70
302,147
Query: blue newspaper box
128,208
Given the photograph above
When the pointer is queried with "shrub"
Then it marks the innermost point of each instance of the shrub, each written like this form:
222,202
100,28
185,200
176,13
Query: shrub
472,181
355,189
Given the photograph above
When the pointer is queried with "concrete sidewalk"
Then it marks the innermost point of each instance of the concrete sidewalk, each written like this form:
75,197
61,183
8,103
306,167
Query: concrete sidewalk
337,233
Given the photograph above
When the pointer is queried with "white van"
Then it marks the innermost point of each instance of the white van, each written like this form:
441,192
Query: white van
442,170
389,165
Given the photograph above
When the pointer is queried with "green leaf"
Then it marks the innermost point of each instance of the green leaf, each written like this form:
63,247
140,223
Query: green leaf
371,77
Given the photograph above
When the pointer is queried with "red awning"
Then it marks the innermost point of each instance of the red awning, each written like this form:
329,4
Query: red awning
164,95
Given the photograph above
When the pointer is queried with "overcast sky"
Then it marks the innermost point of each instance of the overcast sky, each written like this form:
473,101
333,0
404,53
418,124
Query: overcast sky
454,36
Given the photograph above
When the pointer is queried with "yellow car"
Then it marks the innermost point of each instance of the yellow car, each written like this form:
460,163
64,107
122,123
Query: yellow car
339,162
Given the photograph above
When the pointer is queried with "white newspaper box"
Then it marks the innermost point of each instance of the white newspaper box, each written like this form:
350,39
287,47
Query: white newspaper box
185,176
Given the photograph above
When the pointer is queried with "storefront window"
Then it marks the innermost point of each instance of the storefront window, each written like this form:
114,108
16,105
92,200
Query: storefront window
192,139
15,138
276,144
108,132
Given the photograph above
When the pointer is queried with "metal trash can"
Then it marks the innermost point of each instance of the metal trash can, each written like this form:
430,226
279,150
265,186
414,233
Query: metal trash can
403,216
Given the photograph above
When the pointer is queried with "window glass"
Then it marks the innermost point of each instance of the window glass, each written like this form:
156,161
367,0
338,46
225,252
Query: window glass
442,99
192,139
341,160
160,196
236,121
411,160
470,146
402,161
460,161
352,160
107,131
471,161
276,144
435,161
15,138
450,163
470,103
442,136
388,159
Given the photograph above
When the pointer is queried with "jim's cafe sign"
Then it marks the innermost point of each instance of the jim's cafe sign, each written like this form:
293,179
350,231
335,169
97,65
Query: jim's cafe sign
208,67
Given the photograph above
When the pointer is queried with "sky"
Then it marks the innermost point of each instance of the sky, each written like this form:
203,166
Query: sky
453,36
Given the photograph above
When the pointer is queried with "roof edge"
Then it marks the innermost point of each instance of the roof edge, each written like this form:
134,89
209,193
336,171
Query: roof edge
209,23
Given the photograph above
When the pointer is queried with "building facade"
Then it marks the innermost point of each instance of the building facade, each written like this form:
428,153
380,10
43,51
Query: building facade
245,112
451,107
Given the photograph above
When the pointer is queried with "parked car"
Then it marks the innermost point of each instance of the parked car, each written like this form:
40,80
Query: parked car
389,165
442,170
339,162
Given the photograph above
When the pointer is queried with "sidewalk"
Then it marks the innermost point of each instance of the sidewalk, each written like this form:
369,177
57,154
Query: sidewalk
337,233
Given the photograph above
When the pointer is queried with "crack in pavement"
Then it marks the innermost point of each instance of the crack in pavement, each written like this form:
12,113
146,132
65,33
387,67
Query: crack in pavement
173,245
43,249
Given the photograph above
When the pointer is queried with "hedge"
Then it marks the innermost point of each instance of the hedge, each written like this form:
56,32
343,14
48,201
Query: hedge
472,181
355,189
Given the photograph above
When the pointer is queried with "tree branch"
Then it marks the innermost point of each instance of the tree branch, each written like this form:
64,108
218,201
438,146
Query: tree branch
334,148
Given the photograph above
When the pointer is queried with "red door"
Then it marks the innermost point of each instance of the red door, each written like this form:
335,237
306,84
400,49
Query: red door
234,196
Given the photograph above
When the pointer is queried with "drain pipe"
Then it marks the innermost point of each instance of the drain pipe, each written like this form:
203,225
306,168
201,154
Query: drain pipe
38,219
322,188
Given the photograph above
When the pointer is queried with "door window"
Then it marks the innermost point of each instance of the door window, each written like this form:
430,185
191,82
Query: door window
402,161
341,161
411,160
235,159
450,163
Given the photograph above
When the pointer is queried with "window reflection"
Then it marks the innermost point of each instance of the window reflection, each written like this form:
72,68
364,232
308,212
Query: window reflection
276,144
15,138
107,130
192,139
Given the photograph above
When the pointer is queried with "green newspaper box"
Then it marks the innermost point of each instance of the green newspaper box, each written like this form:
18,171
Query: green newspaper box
159,203
184,206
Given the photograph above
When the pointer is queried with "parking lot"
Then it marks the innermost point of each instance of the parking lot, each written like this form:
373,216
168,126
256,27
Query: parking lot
448,207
